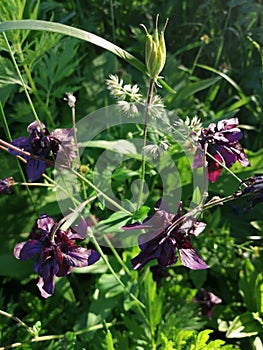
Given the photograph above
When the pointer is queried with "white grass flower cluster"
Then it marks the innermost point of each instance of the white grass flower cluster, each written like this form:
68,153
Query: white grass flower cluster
156,108
189,130
122,92
195,124
130,100
189,127
127,95
154,151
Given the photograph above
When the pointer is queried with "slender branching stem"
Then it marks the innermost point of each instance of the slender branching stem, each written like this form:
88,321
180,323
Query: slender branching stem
143,164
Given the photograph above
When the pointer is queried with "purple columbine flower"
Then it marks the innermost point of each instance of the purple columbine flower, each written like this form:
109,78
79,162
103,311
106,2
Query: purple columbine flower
56,253
253,189
207,301
45,145
6,185
167,234
220,140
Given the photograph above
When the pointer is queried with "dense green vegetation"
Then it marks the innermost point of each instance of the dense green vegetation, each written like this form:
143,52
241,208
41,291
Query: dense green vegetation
213,71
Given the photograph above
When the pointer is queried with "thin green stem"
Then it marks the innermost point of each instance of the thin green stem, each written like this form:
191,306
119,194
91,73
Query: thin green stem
218,201
38,184
20,322
221,45
139,304
117,256
143,163
21,79
58,336
99,192
6,128
197,58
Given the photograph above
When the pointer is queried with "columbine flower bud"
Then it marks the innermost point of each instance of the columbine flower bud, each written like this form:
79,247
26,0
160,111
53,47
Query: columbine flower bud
155,51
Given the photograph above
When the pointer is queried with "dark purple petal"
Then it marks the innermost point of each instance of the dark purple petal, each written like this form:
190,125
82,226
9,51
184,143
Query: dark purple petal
35,126
61,134
80,257
232,135
228,157
191,259
26,250
214,168
34,169
151,252
149,237
156,223
241,157
78,231
22,143
197,228
207,301
227,124
40,285
64,269
192,227
47,270
45,223
168,253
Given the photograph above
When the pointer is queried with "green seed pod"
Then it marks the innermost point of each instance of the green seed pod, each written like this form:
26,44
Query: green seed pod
155,52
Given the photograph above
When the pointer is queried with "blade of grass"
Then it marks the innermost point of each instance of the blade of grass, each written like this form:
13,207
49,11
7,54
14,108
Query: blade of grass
30,24
242,96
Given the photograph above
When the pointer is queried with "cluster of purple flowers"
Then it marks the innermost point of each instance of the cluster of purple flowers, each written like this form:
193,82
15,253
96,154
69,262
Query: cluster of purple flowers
166,236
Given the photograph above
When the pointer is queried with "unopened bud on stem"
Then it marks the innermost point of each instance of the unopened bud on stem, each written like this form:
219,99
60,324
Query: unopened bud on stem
155,51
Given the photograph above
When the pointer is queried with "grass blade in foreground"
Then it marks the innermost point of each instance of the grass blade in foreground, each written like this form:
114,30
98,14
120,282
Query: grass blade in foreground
82,35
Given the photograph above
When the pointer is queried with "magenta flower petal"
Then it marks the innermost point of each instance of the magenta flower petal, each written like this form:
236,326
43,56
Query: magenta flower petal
214,168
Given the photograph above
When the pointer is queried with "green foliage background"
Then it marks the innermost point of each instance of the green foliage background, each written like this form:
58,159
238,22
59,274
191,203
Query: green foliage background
213,80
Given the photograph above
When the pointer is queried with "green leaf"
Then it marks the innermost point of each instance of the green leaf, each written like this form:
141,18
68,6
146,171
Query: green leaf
246,284
154,301
245,325
202,338
192,88
79,34
109,340
74,32
197,196
120,146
